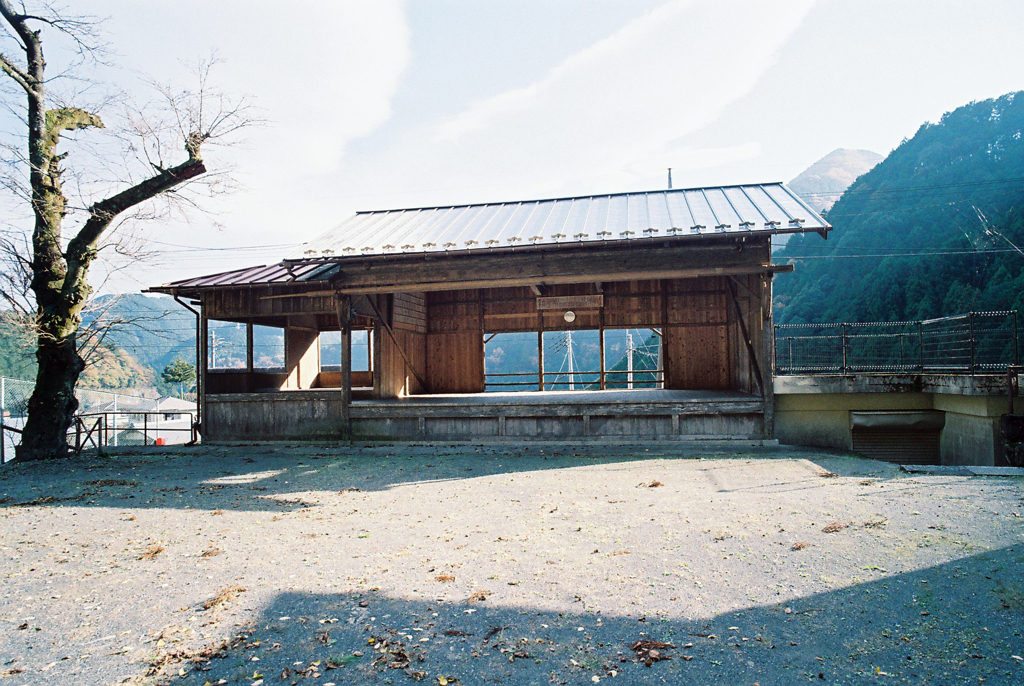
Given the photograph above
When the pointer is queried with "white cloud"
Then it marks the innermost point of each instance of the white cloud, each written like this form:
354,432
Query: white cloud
616,105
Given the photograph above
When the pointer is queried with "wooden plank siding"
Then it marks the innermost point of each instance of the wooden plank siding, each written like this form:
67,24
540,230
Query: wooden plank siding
439,334
455,344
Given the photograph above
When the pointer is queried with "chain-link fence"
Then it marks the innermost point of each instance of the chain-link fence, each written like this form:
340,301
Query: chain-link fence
121,419
972,343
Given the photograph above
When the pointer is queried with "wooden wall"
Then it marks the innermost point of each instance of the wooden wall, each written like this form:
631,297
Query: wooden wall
455,342
695,340
703,344
438,336
400,363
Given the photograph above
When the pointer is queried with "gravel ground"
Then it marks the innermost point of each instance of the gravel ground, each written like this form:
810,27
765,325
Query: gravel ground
311,565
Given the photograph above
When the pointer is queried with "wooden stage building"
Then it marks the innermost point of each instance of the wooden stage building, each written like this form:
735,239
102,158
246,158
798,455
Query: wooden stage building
420,292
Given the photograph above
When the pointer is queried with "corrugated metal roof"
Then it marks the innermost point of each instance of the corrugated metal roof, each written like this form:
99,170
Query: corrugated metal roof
720,210
285,272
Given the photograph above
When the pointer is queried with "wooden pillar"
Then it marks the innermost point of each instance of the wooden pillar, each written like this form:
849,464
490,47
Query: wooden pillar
376,362
249,384
202,367
344,303
540,349
767,366
600,342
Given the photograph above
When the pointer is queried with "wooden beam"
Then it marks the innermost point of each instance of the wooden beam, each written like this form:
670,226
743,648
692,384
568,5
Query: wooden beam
531,268
746,339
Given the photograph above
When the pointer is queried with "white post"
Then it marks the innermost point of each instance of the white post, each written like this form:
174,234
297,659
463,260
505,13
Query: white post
629,360
115,420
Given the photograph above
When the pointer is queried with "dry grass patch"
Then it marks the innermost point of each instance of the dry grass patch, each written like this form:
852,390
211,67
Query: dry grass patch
224,595
478,596
444,578
834,527
151,551
211,552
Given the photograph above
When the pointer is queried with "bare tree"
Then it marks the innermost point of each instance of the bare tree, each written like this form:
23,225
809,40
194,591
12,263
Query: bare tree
56,268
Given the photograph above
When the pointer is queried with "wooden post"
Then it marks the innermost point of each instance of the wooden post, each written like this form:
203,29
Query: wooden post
768,343
376,364
344,305
202,362
540,349
249,355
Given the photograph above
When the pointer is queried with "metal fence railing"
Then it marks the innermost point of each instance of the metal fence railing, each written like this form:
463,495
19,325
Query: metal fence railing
104,419
972,343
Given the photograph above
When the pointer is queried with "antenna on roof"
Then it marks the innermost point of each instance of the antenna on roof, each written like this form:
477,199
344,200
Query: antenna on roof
670,178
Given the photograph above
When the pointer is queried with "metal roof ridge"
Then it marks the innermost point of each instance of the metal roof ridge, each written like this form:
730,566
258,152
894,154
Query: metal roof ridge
569,197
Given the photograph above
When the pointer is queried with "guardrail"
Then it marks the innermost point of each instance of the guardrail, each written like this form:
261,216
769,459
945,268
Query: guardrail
127,428
590,380
972,343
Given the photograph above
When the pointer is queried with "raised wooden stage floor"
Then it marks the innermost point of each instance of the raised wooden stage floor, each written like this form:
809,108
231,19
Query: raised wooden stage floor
584,415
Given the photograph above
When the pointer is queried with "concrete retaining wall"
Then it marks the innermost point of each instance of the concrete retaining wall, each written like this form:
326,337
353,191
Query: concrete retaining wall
815,411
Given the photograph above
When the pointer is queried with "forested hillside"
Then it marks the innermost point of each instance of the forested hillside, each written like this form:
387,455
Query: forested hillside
930,231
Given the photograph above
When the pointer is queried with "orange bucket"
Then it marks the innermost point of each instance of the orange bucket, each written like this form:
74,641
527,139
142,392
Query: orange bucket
161,441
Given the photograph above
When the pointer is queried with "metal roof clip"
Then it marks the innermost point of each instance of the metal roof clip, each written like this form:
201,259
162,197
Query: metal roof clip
348,248
650,231
746,224
388,246
472,242
450,244
772,222
311,251
602,234
326,251
581,236
698,227
556,236
536,238
492,241
797,220
430,245
512,239
628,233
409,246
723,227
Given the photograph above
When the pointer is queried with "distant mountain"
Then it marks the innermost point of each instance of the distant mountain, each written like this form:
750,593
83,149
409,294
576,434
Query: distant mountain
932,230
821,184
152,329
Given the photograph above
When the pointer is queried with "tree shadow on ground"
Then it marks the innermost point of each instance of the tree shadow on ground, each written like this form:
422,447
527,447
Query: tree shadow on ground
954,623
280,478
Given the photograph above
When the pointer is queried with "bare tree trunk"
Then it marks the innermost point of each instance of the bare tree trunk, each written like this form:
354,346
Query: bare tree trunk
60,274
52,407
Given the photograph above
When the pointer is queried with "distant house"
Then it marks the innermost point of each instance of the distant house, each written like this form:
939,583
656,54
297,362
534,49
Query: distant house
427,287
130,418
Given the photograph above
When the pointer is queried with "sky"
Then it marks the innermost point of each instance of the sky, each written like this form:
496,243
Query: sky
385,104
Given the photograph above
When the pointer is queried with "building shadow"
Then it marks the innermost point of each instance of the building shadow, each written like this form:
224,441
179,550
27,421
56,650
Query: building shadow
955,623
276,478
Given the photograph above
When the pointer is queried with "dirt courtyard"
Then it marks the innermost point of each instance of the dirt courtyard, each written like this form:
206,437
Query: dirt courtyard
314,565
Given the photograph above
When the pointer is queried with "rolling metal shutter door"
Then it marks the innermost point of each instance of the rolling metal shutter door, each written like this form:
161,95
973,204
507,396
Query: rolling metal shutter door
900,446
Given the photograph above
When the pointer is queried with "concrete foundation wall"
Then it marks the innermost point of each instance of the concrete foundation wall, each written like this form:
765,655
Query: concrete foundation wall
316,415
815,411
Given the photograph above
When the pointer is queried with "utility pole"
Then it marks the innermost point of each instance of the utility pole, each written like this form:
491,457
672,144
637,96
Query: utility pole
568,351
629,360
